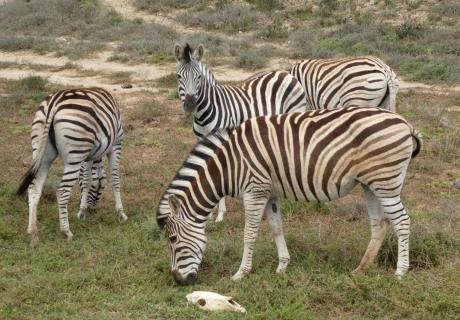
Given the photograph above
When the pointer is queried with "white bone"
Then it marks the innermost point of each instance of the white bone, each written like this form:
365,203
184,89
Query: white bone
212,301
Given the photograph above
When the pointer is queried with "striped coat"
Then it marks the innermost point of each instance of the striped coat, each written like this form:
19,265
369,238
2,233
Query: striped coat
81,125
313,156
347,82
217,107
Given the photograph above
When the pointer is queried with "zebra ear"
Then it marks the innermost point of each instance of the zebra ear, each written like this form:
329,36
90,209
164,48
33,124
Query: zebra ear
198,54
177,52
174,204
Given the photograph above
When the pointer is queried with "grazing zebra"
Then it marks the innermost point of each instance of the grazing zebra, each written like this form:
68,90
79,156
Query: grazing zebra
347,82
314,156
82,125
217,106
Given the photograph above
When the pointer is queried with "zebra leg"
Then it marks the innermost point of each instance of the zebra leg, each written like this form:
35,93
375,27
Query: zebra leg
69,178
398,217
101,180
379,227
114,162
85,183
35,191
221,209
273,214
254,209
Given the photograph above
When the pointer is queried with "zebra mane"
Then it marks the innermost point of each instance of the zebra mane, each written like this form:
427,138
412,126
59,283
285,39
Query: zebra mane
206,73
202,151
187,53
198,157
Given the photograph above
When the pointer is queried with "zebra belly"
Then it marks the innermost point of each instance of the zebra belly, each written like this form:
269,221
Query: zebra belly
313,192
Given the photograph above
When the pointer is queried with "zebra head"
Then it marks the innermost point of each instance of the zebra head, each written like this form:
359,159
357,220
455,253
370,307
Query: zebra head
187,243
98,181
190,74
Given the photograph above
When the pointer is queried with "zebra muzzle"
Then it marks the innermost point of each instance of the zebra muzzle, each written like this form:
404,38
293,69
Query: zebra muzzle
189,103
183,281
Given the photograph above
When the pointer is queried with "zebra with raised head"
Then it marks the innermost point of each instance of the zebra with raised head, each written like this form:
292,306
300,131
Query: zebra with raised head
81,125
217,106
347,82
312,156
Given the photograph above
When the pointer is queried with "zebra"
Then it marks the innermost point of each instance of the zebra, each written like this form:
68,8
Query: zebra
82,125
346,82
314,156
217,106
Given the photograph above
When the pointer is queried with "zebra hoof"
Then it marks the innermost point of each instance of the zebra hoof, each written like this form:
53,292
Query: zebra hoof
358,270
281,267
238,276
82,213
68,235
399,274
220,217
121,214
34,241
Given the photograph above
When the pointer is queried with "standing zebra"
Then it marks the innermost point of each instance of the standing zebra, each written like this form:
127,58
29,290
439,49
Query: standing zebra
82,125
313,156
217,106
347,82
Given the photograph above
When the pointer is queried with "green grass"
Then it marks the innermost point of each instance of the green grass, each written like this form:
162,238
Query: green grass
24,95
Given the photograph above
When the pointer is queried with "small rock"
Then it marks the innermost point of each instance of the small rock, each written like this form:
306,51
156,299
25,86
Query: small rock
456,183
126,85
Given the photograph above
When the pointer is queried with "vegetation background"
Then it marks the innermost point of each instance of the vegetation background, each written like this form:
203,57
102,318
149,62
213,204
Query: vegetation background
121,270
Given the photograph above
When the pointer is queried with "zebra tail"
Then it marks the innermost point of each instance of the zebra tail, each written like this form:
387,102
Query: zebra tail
393,88
418,140
31,173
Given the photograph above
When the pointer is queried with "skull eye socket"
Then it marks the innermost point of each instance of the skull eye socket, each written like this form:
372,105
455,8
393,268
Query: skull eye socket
173,239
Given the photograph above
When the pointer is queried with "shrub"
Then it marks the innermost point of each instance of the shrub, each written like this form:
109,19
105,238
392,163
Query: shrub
229,18
267,5
302,43
419,70
450,8
163,5
26,94
410,29
16,43
253,58
275,30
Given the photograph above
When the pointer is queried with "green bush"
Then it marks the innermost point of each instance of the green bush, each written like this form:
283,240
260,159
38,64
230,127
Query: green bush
410,29
25,95
164,5
418,70
274,31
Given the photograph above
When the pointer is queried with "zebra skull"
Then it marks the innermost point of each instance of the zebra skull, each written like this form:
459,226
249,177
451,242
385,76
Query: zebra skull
212,301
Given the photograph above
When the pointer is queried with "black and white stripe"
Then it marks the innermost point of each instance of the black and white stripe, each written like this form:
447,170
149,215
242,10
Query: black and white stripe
312,156
347,82
217,107
81,125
